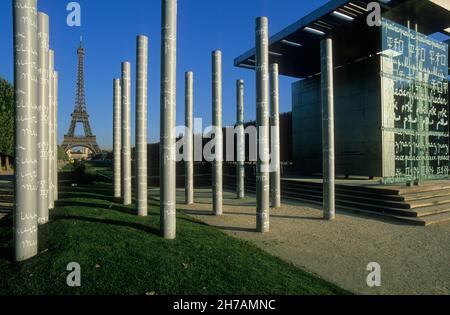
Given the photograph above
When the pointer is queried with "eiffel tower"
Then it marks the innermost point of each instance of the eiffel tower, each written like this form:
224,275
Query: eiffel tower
80,115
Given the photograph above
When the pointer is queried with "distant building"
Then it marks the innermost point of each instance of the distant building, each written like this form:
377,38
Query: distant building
81,154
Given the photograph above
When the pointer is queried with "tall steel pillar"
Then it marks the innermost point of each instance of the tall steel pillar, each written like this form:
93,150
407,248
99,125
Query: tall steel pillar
43,121
51,108
126,134
168,114
240,165
55,136
217,195
262,124
326,47
26,128
275,176
141,125
117,130
189,144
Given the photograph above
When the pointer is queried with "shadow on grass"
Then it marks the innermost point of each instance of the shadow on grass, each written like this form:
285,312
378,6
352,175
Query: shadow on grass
69,203
87,189
85,195
114,207
136,226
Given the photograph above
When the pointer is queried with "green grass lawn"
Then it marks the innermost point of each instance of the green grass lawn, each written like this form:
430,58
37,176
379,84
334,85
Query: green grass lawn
120,253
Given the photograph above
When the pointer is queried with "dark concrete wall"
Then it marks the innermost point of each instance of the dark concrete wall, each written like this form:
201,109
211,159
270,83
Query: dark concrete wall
358,136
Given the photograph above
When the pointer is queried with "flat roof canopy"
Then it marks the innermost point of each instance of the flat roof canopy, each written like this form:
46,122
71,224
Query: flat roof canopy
296,49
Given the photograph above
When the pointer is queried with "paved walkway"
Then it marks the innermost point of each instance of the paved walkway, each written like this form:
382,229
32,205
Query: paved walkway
414,260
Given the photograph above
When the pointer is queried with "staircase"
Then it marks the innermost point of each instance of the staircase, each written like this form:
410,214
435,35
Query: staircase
420,205
6,203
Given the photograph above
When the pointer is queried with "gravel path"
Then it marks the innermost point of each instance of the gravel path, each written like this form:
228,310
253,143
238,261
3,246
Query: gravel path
414,260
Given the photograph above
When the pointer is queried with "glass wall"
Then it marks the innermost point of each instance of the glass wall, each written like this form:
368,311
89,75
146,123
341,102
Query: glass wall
414,73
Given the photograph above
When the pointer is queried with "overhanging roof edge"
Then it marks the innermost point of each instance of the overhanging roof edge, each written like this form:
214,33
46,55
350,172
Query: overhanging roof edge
326,9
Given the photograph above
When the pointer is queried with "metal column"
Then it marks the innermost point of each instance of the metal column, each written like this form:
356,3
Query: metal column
189,146
168,114
55,136
240,165
262,124
141,125
117,129
126,134
25,133
217,124
44,119
326,47
275,176
51,108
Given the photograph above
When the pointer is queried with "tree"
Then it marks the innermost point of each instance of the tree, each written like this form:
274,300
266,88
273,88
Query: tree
62,156
6,118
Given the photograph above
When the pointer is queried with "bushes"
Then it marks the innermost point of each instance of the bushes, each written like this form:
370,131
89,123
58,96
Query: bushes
6,118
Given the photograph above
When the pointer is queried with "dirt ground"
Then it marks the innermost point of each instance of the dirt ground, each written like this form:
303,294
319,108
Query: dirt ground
413,260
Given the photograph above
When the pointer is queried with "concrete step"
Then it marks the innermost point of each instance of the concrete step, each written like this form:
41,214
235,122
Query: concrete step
342,203
344,199
426,195
368,192
419,205
435,219
358,197
356,209
408,220
428,202
376,208
404,191
6,207
410,201
419,221
432,210
6,198
379,190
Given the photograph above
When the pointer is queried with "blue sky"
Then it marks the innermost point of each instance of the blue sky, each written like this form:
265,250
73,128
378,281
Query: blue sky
109,30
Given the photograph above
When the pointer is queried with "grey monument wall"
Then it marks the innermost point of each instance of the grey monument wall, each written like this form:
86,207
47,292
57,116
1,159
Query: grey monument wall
358,140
